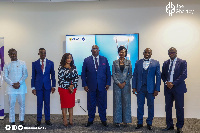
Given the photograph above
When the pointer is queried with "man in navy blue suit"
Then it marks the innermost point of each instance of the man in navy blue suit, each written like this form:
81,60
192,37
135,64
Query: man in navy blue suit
174,73
96,79
144,85
41,85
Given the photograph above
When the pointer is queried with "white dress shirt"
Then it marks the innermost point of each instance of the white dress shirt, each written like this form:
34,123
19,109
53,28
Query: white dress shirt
15,71
173,67
146,64
97,61
43,63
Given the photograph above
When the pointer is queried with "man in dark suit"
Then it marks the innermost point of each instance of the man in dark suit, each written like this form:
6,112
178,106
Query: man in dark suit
144,85
41,85
96,79
174,73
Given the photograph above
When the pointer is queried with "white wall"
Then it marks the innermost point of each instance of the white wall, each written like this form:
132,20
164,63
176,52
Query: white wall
30,26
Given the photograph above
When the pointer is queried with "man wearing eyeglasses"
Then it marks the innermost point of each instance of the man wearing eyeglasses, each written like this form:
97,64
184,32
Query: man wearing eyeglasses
96,79
174,73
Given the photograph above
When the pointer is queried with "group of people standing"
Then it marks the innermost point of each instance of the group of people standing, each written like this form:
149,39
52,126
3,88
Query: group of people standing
96,79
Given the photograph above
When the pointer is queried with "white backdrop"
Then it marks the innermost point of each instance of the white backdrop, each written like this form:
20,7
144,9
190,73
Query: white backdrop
30,26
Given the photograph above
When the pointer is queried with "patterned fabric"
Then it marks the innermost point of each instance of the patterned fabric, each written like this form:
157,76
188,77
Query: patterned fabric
146,63
122,97
12,100
67,77
16,71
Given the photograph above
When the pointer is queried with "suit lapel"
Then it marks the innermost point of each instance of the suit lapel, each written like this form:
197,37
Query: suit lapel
177,65
167,66
150,65
47,66
38,65
125,65
92,62
141,66
100,61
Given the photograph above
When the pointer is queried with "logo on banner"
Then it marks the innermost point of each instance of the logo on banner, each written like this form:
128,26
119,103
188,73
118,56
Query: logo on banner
77,39
171,8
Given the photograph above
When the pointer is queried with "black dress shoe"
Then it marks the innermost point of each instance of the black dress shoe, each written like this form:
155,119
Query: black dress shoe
12,123
22,123
38,124
179,130
117,124
149,127
168,128
48,122
104,123
88,124
139,126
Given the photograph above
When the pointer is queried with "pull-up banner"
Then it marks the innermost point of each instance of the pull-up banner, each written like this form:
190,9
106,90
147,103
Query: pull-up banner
2,91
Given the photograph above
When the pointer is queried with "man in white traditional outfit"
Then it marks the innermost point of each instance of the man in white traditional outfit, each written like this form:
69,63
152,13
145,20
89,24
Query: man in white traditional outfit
15,73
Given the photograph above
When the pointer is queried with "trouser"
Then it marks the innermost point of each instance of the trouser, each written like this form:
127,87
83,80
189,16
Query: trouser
122,104
12,100
43,95
97,98
179,105
140,103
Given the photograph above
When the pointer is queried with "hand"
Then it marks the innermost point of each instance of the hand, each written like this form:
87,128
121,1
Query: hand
155,93
120,86
134,91
16,85
71,88
123,84
53,90
34,92
86,89
169,85
107,87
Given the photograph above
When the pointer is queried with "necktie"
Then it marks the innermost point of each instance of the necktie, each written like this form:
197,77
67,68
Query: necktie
42,67
96,63
170,70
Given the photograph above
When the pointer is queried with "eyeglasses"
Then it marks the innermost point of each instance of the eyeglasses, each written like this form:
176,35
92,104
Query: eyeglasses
171,53
95,49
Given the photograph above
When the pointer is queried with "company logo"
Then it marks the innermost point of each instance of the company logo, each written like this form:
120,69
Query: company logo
171,8
77,39
83,38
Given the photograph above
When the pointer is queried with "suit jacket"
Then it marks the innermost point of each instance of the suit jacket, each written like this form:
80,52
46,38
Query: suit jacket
96,79
118,75
180,74
153,70
38,78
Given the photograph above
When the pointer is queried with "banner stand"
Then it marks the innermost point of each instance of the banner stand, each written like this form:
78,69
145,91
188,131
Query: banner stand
2,91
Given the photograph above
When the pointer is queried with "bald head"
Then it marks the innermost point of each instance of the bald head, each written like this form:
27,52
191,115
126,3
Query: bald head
95,50
147,53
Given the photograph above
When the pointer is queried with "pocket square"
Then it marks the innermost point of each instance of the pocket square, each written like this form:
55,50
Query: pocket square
103,64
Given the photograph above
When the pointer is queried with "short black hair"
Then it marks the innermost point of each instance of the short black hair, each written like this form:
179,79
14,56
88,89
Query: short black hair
173,48
122,48
10,50
41,49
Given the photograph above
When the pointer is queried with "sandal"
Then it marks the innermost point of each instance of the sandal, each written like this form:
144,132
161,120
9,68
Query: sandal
71,124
